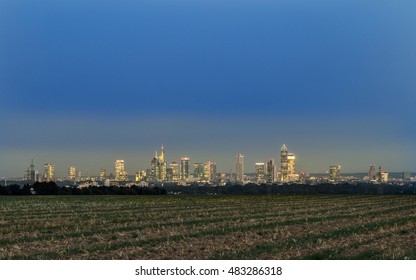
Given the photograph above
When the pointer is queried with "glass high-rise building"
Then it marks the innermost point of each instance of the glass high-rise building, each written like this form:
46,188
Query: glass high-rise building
175,170
48,174
121,174
103,174
71,173
184,168
198,170
210,171
239,168
334,172
284,164
270,171
260,172
372,174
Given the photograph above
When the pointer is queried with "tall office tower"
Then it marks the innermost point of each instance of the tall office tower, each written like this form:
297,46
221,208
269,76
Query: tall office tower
169,174
239,168
175,170
71,173
210,171
291,163
260,172
284,164
162,171
184,168
334,172
121,174
140,176
154,169
32,172
162,154
103,174
270,171
384,176
198,170
48,172
372,175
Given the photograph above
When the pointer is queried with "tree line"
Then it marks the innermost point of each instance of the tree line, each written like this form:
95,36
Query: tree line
50,188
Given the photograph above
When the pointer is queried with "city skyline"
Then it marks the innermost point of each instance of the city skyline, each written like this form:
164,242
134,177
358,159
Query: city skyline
83,83
186,166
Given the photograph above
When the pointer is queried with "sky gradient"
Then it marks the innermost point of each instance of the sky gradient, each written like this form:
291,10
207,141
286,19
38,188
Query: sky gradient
84,83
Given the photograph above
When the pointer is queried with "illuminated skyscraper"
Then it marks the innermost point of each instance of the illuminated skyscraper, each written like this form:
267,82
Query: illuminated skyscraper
334,172
48,174
198,170
158,169
260,172
184,168
103,174
372,175
169,174
291,163
121,174
239,168
210,171
154,168
175,170
287,165
31,173
140,175
270,171
162,171
284,164
71,173
384,176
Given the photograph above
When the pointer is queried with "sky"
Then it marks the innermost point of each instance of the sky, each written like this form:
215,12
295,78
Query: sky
87,82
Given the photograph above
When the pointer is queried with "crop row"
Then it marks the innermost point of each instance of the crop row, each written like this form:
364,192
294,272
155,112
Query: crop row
221,227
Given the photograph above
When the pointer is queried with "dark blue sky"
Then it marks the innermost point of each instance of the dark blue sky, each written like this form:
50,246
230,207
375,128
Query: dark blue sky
86,82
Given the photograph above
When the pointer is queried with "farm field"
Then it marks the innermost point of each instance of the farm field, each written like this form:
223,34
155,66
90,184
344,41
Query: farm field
208,227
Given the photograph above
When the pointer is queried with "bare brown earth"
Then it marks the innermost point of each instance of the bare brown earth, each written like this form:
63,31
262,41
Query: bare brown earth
208,227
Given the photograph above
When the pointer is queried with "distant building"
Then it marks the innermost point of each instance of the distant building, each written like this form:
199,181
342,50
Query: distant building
239,169
384,176
103,174
198,170
31,173
48,174
284,164
121,174
154,168
260,172
162,171
169,174
158,167
78,176
270,171
334,172
140,176
372,175
71,173
184,168
175,170
210,171
291,160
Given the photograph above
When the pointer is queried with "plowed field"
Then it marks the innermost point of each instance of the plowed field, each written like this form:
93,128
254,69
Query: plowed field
208,227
